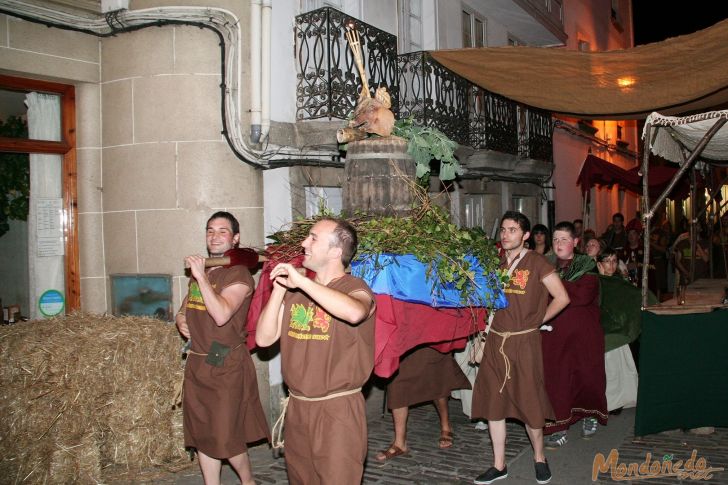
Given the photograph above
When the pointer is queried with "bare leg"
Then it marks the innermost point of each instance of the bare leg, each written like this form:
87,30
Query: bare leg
444,413
399,416
536,436
241,465
497,431
210,468
445,440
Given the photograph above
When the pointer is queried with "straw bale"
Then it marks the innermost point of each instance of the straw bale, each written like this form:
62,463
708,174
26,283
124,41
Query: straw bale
83,394
76,456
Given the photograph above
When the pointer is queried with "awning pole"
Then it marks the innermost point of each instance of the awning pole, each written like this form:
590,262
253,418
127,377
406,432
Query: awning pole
693,224
646,215
712,197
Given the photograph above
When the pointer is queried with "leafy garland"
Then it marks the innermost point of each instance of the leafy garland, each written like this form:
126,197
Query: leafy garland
428,234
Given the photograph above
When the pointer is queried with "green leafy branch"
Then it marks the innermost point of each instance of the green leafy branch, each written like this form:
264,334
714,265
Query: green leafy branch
426,143
427,234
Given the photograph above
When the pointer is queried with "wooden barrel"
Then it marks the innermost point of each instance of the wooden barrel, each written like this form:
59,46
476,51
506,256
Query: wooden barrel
378,177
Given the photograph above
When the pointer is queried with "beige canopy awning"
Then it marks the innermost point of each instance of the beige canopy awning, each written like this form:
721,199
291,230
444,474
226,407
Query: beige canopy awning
681,74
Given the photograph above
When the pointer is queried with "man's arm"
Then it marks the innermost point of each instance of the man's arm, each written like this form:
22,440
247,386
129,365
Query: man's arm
351,308
268,328
557,291
221,306
181,319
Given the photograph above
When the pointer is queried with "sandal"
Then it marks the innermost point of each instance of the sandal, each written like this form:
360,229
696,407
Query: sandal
392,452
445,441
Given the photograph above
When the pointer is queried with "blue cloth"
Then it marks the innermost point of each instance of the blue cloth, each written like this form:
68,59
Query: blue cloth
404,277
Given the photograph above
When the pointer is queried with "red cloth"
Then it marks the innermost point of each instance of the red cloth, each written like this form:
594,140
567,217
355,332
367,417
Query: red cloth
597,171
400,326
264,290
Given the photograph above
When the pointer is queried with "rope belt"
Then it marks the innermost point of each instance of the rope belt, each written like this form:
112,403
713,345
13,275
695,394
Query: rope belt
192,352
505,336
277,431
179,387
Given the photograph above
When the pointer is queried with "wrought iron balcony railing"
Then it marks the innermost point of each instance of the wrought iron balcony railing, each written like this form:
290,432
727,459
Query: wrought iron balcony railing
420,87
328,80
468,114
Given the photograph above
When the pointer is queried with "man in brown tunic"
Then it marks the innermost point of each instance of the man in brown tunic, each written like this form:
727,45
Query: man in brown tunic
221,407
326,327
510,381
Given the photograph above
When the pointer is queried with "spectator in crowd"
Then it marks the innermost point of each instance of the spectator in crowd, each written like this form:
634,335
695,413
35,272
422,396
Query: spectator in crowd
615,236
608,263
594,246
720,247
540,240
657,279
620,304
683,258
587,236
633,254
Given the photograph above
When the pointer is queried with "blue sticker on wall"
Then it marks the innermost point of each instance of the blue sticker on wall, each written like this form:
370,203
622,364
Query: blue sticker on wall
51,303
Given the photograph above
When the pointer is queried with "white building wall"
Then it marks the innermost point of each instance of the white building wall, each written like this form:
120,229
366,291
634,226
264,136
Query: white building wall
283,61
382,14
449,25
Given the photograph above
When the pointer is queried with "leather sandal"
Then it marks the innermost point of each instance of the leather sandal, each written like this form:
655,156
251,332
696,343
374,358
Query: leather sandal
392,452
446,440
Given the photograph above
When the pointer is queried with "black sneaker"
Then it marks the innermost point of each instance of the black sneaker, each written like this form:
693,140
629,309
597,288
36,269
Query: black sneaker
491,475
543,474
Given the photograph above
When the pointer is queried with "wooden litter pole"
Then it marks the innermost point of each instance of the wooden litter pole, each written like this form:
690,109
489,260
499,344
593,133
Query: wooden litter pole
646,214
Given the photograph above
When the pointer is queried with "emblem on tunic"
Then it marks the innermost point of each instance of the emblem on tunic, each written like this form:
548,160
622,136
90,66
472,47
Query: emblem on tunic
321,320
301,317
520,278
304,318
195,300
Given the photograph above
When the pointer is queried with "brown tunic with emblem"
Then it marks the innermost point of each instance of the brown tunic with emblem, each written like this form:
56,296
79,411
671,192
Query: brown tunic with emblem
524,395
221,406
326,441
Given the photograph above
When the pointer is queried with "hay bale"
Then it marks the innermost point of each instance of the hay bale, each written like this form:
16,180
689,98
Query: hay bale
76,456
84,393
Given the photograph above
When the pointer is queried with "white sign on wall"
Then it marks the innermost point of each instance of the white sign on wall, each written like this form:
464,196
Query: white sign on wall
49,227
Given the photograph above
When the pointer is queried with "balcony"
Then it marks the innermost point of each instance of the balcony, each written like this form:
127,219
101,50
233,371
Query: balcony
328,80
420,87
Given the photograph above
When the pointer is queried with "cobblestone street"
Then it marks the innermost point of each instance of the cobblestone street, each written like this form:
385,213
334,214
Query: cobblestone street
471,453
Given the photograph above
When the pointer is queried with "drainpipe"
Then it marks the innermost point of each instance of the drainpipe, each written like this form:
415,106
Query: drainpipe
255,61
265,68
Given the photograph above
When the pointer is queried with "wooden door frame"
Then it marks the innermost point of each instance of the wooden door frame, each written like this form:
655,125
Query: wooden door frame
67,149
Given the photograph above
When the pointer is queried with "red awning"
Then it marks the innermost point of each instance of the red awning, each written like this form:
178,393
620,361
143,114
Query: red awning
599,172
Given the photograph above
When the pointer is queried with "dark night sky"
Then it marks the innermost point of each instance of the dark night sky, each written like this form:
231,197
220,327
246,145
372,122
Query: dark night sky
656,20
